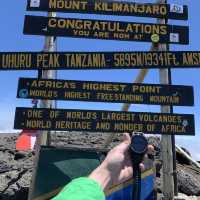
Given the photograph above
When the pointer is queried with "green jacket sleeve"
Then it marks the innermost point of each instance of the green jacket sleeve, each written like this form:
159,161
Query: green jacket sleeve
81,189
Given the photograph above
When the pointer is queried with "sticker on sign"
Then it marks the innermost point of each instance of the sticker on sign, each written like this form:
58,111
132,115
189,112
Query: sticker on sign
35,3
174,37
176,8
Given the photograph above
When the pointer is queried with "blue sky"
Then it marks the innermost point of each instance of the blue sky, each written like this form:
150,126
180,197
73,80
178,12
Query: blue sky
12,39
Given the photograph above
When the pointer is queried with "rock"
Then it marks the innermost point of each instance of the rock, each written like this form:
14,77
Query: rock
188,175
188,180
4,167
181,158
155,141
15,170
158,166
15,193
158,185
182,196
20,155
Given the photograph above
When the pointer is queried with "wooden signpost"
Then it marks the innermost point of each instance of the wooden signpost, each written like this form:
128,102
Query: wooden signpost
108,30
48,118
167,143
103,121
98,60
170,11
93,91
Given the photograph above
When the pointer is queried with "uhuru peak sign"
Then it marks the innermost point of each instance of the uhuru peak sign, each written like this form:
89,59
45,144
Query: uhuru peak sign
110,8
105,92
108,30
103,121
98,60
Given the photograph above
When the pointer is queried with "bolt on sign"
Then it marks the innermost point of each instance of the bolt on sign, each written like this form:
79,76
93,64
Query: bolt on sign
108,30
103,121
98,60
93,91
170,11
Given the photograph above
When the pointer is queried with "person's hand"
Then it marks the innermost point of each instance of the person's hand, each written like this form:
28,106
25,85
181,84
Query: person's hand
117,166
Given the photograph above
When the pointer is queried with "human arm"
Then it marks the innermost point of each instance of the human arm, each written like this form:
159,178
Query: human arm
81,189
115,169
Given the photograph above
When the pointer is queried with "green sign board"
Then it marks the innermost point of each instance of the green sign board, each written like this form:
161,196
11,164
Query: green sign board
58,166
108,30
170,11
105,92
103,121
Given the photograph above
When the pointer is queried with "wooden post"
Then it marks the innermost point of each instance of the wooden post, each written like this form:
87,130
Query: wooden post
166,142
44,137
49,46
166,151
173,143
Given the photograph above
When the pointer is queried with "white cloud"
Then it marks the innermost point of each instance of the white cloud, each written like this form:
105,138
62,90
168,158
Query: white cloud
9,131
191,144
197,156
7,111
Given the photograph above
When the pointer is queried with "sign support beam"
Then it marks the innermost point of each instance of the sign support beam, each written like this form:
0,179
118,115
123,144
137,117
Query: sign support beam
166,141
44,136
49,46
173,145
166,149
